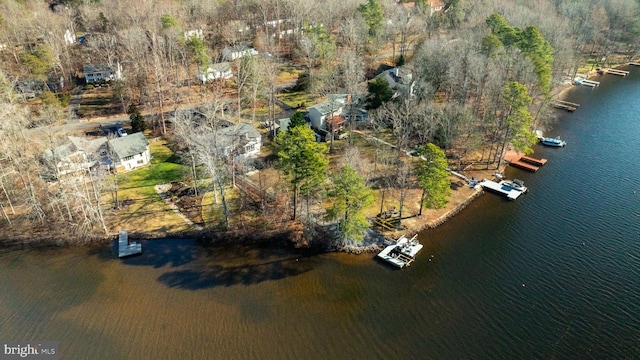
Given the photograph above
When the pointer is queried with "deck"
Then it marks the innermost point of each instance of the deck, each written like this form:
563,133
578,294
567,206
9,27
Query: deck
533,161
524,165
125,248
500,188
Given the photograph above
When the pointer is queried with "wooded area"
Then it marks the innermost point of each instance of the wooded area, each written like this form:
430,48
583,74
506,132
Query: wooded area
482,75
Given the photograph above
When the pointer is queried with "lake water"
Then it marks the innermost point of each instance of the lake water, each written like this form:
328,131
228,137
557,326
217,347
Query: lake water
553,275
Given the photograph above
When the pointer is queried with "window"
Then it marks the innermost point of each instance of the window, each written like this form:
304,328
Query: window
249,148
127,158
140,161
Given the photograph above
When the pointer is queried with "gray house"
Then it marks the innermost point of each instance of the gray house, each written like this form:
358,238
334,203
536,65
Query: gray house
241,140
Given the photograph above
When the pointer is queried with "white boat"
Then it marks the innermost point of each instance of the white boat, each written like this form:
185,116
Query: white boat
402,253
556,142
515,184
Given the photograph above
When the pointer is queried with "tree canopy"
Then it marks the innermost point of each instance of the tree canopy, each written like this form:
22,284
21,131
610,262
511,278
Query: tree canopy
301,158
433,177
530,42
351,196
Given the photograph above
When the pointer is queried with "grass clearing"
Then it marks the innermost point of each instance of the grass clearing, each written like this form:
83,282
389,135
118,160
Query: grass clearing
297,98
143,210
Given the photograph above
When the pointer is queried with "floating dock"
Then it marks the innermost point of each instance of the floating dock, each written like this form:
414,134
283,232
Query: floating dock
125,248
585,82
565,105
501,188
524,165
616,72
402,253
634,63
534,161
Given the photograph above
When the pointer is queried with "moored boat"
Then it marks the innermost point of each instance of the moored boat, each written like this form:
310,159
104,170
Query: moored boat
555,142
402,253
515,184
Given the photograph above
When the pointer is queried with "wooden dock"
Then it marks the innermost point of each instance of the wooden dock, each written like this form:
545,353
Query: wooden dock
634,63
125,248
533,161
523,165
565,105
616,72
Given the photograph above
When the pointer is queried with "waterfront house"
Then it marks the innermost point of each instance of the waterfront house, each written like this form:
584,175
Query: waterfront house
231,53
240,140
214,72
96,73
130,152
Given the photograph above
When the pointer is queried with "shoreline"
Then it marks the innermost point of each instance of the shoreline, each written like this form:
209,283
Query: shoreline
374,241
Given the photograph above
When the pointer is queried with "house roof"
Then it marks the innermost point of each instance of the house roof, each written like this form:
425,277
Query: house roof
130,145
89,146
96,68
237,48
436,3
326,107
229,135
397,76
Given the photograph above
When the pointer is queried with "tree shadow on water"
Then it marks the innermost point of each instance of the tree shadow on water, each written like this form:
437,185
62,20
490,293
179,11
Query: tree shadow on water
220,275
157,253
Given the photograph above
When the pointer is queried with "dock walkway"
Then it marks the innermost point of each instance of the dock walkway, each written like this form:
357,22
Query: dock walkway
565,105
125,248
616,72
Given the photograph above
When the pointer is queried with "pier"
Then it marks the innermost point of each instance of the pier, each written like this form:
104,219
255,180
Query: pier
565,105
501,188
524,165
125,248
585,82
615,72
634,63
533,161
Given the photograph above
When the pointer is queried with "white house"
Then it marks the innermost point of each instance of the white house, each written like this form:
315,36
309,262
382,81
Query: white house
94,73
194,33
82,154
130,152
69,37
238,51
241,140
214,72
79,155
435,6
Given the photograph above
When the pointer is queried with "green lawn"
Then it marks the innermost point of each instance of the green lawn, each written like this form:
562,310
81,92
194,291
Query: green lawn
145,211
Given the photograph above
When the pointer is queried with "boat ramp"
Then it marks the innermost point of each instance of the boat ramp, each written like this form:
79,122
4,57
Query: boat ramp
402,253
126,248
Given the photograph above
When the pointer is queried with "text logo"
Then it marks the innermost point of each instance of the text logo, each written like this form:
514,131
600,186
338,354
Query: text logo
29,350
